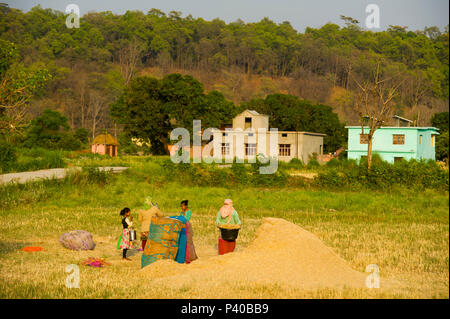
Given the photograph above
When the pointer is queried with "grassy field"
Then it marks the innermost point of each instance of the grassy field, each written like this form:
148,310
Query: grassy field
405,233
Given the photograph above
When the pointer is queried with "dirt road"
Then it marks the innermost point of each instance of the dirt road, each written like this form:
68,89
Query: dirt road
57,173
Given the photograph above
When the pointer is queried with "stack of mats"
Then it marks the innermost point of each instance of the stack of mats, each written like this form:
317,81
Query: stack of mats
77,240
162,240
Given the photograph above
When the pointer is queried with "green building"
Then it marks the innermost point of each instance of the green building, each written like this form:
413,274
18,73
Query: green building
393,143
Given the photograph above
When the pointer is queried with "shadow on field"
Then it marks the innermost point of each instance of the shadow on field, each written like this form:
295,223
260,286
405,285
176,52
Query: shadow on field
9,247
132,252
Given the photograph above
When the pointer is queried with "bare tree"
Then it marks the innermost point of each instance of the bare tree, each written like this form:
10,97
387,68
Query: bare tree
97,106
129,57
374,105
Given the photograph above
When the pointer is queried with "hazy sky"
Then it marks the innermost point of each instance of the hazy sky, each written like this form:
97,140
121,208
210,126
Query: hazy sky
416,14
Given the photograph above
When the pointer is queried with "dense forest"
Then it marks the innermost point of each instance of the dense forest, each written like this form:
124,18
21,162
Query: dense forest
89,67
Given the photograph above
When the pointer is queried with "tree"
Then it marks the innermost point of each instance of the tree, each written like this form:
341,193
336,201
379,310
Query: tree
374,105
140,109
129,57
441,121
149,108
18,85
50,130
289,113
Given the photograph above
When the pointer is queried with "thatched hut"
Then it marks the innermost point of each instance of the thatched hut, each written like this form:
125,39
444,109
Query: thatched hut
104,144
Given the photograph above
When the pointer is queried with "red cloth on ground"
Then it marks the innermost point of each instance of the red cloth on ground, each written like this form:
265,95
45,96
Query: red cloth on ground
32,248
226,246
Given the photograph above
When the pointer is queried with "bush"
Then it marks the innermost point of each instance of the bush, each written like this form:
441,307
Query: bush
414,175
313,163
82,135
37,159
297,163
51,131
334,163
8,157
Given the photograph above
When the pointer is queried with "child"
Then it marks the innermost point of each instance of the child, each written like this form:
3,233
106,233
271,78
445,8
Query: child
127,222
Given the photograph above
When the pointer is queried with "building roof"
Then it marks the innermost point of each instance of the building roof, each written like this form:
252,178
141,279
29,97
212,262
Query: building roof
106,139
269,131
419,128
252,112
402,119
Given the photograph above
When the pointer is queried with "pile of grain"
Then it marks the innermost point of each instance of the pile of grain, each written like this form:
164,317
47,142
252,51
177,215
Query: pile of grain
230,226
282,253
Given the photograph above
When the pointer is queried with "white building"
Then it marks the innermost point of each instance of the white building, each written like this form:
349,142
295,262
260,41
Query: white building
251,130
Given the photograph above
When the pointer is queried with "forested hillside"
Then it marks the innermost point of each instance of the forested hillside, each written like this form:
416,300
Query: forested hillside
90,66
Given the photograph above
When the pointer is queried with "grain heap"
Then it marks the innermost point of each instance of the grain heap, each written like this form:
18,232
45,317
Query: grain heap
281,253
230,226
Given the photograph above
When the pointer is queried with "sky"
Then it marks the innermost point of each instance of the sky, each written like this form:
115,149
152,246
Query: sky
416,14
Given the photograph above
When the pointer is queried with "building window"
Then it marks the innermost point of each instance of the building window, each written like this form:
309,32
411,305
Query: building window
363,138
398,139
225,148
433,140
248,122
250,149
397,159
284,135
224,134
284,150
250,134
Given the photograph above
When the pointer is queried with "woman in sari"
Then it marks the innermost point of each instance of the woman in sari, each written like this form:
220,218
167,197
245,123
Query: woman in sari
227,215
186,250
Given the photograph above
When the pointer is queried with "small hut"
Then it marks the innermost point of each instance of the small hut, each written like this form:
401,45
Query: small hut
104,144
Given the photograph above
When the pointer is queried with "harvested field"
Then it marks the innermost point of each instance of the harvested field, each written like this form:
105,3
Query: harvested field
405,234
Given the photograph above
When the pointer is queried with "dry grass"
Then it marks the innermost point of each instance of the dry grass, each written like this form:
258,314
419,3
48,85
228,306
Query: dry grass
415,256
406,235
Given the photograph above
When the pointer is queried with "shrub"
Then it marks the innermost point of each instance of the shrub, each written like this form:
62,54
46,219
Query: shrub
415,175
51,131
82,135
296,163
38,158
334,163
8,157
313,163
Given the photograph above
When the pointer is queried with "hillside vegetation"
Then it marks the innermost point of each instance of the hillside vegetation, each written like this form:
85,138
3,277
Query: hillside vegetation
91,65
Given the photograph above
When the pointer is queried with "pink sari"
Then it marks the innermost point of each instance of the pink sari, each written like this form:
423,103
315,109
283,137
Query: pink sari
190,255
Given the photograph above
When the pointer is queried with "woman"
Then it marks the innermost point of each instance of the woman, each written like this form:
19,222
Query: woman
227,215
145,218
185,212
186,250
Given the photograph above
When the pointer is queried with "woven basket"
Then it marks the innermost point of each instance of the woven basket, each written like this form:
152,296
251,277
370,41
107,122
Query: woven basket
229,234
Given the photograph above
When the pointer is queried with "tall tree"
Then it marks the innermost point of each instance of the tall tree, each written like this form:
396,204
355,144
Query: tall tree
149,108
18,85
374,105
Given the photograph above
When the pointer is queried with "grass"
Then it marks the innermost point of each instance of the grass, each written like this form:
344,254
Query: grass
405,233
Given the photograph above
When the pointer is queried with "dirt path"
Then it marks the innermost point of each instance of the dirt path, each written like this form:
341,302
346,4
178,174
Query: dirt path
305,175
57,173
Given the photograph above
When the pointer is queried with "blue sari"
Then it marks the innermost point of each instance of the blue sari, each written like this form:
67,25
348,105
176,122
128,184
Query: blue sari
182,241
